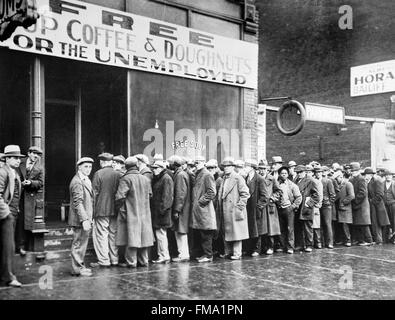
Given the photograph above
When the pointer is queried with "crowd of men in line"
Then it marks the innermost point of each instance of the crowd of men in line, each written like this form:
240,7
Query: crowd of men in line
181,209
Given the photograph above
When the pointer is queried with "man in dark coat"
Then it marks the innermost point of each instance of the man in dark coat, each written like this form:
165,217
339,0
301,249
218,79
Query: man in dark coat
310,198
132,204
162,203
81,215
181,209
257,193
105,184
10,194
203,213
378,213
32,177
389,201
360,206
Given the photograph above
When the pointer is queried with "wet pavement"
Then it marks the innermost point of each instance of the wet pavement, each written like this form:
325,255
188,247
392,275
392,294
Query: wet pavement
338,274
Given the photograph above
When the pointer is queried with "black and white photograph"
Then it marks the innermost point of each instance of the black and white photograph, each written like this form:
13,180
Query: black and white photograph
205,152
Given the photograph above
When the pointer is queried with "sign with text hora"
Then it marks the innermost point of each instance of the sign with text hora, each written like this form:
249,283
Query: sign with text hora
372,78
81,31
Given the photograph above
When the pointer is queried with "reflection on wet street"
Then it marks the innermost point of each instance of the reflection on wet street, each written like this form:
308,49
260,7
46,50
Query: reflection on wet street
342,273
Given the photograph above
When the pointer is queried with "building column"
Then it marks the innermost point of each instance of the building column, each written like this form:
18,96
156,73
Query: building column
37,107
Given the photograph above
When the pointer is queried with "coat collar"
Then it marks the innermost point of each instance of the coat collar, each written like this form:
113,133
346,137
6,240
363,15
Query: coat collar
82,178
252,183
231,182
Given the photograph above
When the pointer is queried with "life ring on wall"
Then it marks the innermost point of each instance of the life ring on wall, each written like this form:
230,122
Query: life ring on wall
300,110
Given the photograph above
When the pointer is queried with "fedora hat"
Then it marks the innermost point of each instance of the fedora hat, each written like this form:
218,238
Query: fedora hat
318,169
292,164
228,161
212,163
354,166
277,159
263,164
239,163
300,168
13,150
369,170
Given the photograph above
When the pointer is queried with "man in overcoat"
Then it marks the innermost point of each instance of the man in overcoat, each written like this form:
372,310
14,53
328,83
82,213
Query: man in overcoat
389,201
360,206
10,194
132,203
233,196
81,215
142,164
118,164
378,213
181,209
344,196
203,213
255,184
105,184
32,177
309,189
162,203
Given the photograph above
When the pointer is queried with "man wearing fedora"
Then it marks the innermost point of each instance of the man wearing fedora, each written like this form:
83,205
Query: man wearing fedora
10,194
277,163
292,173
32,176
105,184
81,215
378,213
360,206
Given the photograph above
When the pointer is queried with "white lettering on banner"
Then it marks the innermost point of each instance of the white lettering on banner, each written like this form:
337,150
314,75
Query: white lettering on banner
372,78
82,31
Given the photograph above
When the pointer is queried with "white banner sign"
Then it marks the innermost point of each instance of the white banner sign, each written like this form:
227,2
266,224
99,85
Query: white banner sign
324,113
372,78
82,31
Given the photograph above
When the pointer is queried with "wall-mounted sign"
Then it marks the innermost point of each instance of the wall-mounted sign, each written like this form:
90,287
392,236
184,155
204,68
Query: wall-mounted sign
372,78
324,113
86,32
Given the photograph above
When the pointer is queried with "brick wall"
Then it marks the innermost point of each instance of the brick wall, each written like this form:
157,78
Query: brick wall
304,54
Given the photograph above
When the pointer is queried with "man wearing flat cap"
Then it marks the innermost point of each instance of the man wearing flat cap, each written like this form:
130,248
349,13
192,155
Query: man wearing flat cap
360,206
32,177
378,213
10,194
389,201
132,203
105,184
118,164
81,215
142,164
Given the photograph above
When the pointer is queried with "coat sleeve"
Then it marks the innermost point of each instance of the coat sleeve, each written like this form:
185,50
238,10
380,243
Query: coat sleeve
316,194
331,191
277,192
349,194
121,194
361,192
297,196
180,192
37,181
378,192
4,208
210,192
261,201
77,194
166,201
96,184
244,193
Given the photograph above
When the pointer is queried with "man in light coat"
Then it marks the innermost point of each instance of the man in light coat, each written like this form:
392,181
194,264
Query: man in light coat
181,209
360,206
132,203
105,184
344,196
80,215
203,212
378,213
233,196
10,194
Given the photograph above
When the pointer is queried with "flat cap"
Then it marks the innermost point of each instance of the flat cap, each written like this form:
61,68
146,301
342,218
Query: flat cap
36,149
158,156
369,170
142,158
277,159
212,163
200,159
105,156
292,164
159,164
176,159
252,163
84,159
355,166
120,158
300,168
308,167
131,162
387,172
228,161
318,169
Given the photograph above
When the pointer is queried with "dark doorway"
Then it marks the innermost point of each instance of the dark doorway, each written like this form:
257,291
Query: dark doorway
60,146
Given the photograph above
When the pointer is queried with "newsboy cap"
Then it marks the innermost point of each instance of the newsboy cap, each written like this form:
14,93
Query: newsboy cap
158,156
277,159
308,168
130,162
105,156
159,164
120,159
355,166
291,164
142,158
13,150
84,159
369,170
300,168
318,169
36,149
228,161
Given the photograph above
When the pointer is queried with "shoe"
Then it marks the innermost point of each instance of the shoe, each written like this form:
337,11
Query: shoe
98,265
318,246
348,244
279,250
363,244
180,259
371,243
379,243
330,246
123,265
142,264
235,257
14,283
114,264
269,251
161,261
254,254
290,251
205,259
86,272
339,243
222,256
22,252
308,249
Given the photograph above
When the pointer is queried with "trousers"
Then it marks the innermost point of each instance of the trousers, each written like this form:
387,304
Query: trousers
78,249
7,248
162,243
104,233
